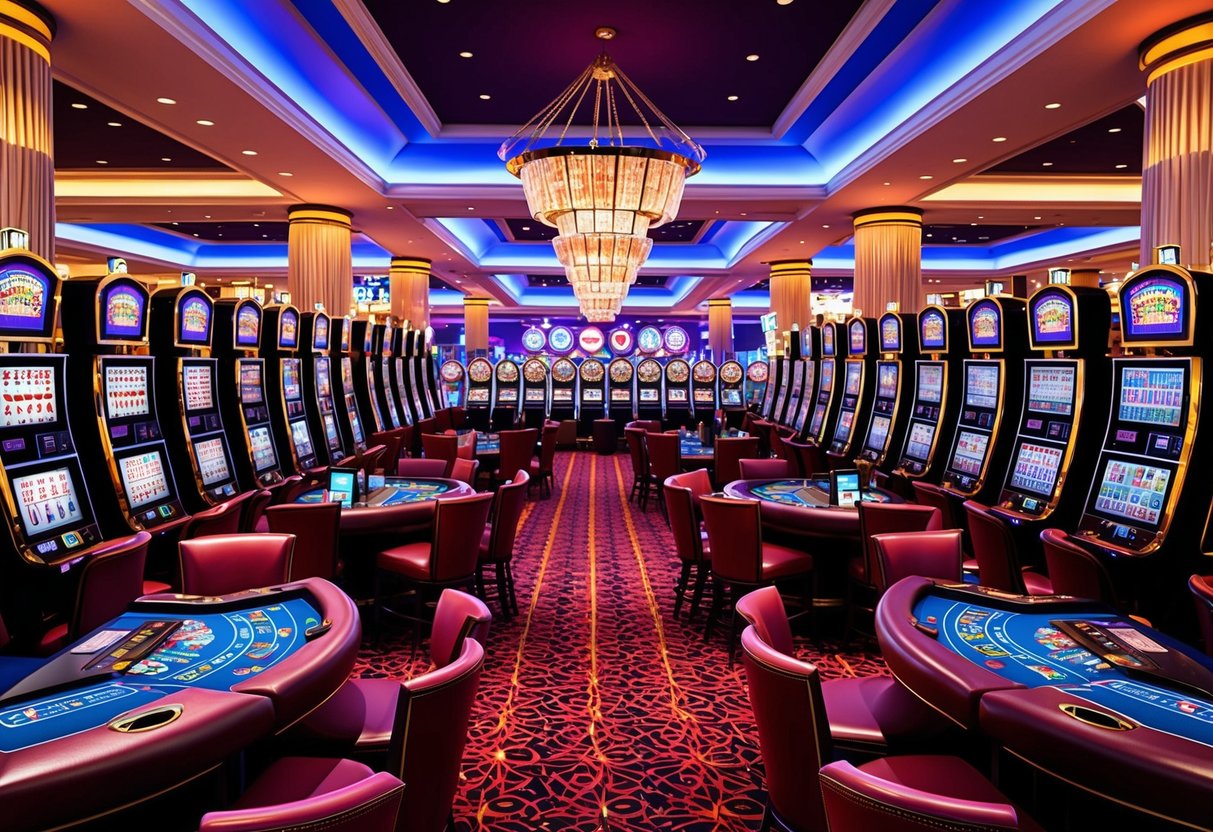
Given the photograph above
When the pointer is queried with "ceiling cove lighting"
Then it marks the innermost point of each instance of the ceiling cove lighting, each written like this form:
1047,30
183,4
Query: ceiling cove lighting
604,196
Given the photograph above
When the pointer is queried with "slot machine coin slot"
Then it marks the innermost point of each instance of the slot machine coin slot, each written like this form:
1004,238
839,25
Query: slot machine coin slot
148,720
1094,718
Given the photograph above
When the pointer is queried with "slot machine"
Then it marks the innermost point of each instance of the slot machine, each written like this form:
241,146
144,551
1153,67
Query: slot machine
454,383
293,441
731,392
1064,407
534,392
383,372
894,394
935,399
678,392
243,400
592,386
781,385
105,321
1146,509
825,407
622,385
480,392
353,435
808,394
648,390
399,389
704,378
426,373
992,392
505,403
320,401
564,388
187,386
362,344
858,381
423,408
759,391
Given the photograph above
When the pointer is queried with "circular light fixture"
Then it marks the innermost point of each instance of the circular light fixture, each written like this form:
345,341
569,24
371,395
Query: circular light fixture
470,208
1113,129
205,122
959,161
1046,164
999,138
79,106
751,58
824,226
1053,106
1120,167
113,124
1035,218
784,2
926,176
465,54
285,173
166,101
248,152
102,162
485,96
888,183
732,98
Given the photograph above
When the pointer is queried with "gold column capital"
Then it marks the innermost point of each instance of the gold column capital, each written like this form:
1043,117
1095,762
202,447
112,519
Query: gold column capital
326,214
412,265
1187,42
892,215
28,24
475,302
789,268
720,302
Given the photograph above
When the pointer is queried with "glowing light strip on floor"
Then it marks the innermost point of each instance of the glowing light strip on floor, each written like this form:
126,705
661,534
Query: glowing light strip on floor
593,693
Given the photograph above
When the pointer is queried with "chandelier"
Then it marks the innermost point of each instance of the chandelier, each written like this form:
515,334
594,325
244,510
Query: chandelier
605,195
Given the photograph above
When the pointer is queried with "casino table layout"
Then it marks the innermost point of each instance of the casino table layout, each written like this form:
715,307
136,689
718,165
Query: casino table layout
1068,685
813,492
166,691
487,444
404,504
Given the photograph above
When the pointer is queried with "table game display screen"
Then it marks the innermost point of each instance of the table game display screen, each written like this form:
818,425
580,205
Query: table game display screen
396,491
810,493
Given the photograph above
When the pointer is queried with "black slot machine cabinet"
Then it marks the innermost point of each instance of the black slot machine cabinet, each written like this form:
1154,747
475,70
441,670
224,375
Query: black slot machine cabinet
187,394
507,391
829,368
293,440
858,382
935,402
320,384
592,391
345,399
730,391
678,393
534,392
704,378
781,385
810,358
362,352
564,388
430,370
383,370
794,368
648,390
480,392
894,397
991,395
242,392
621,385
454,383
399,391
421,364
1146,510
105,327
1065,404
759,391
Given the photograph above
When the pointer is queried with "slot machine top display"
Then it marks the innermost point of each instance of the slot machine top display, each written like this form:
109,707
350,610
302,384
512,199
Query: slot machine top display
285,321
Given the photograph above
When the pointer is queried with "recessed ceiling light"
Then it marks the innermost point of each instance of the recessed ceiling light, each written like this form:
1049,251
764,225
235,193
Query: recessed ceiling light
102,162
744,214
784,2
391,207
972,223
113,124
1110,129
166,101
175,222
1000,138
825,226
1119,167
470,208
485,96
926,176
205,122
751,58
802,242
1053,106
79,106
285,173
166,158
732,98
980,217
206,216
1046,164
1035,218
195,234
249,152
526,228
959,161
888,183
264,236
465,54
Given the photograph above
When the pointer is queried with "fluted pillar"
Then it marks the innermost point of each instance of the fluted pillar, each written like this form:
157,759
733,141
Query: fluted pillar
720,328
792,293
1177,164
320,267
476,325
888,260
27,165
410,289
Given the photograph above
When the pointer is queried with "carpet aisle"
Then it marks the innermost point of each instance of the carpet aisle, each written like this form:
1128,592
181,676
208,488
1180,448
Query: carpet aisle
597,710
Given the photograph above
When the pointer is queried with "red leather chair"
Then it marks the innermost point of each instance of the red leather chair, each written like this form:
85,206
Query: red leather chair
286,491
741,560
997,556
420,467
642,475
1074,570
730,450
541,469
297,793
441,446
221,564
253,519
392,441
497,542
466,444
1201,587
646,425
928,494
372,459
765,469
807,457
681,493
517,448
443,420
429,425
110,579
14,668
317,531
664,451
459,417
465,470
223,518
928,554
910,794
863,576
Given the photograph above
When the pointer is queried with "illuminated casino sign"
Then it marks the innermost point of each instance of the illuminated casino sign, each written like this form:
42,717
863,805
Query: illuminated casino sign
591,340
676,339
560,339
533,340
649,339
622,341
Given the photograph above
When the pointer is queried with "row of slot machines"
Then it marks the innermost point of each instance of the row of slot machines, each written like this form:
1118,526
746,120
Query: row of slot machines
162,404
1027,406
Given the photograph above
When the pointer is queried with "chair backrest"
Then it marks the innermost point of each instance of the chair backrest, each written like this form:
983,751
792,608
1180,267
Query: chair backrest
1074,570
640,459
371,804
457,616
928,494
317,530
443,420
763,469
808,458
254,510
547,445
221,564
458,528
372,459
1201,588
735,537
391,441
429,425
730,450
517,448
429,735
994,548
763,609
409,442
645,425
221,519
929,554
288,490
793,731
111,578
507,511
684,519
459,417
891,518
441,446
421,467
665,454
859,799
465,470
466,445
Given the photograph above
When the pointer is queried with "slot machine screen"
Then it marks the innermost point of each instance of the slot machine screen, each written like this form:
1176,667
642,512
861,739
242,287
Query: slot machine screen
262,448
886,381
123,317
320,333
478,394
323,384
291,389
1053,319
196,380
858,335
355,425
47,500
1133,491
890,334
212,461
144,478
730,397
918,445
981,386
649,394
704,395
301,438
1035,468
29,395
970,452
126,391
26,297
932,330
1156,309
194,320
878,432
619,394
536,394
288,329
985,325
347,376
248,326
853,379
330,430
1152,395
677,394
843,431
1051,390
827,377
250,383
930,383
508,394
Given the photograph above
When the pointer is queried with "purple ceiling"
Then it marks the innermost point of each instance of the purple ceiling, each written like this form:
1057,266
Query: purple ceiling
952,235
687,57
1098,147
550,280
230,232
83,137
533,231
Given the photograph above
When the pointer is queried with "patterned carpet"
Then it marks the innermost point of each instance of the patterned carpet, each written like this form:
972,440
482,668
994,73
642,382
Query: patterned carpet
597,710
